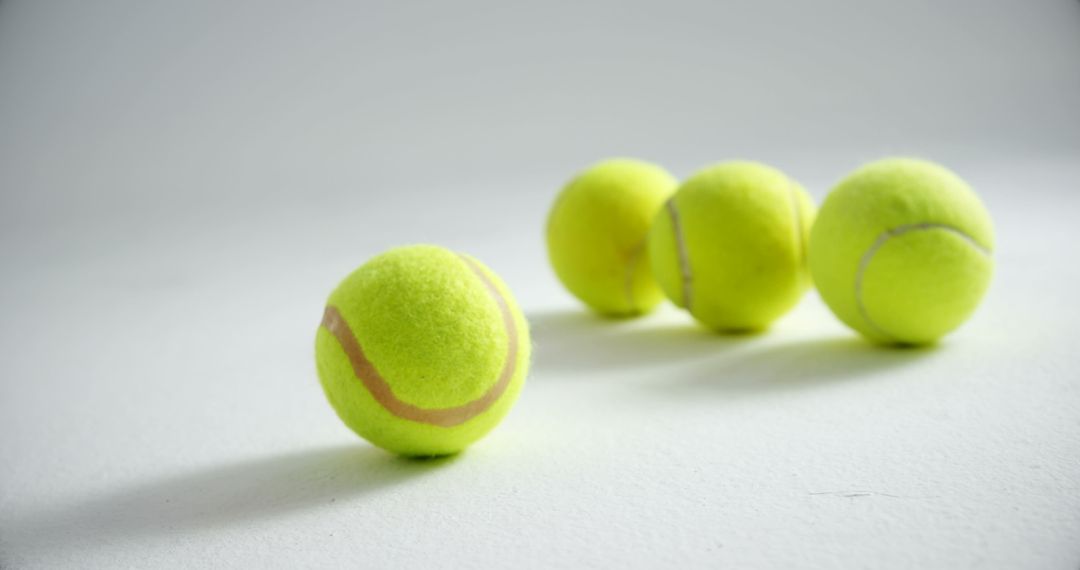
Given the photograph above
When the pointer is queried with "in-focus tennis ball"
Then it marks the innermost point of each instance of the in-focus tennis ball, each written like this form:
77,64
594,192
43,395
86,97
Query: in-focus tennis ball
422,351
901,251
596,235
729,246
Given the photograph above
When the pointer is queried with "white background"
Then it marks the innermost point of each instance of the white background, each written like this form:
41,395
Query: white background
183,183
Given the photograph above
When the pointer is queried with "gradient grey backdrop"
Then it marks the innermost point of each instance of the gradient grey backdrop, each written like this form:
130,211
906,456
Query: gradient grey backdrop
135,107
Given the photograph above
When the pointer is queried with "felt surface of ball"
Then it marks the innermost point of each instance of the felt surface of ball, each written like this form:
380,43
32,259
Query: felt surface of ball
729,246
901,251
422,350
596,234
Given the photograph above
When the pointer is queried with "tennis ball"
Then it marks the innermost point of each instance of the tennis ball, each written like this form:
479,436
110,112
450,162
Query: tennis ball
422,351
729,246
901,251
596,235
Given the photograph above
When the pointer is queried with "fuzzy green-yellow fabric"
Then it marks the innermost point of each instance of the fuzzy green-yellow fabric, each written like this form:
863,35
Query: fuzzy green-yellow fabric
596,235
435,332
901,251
730,245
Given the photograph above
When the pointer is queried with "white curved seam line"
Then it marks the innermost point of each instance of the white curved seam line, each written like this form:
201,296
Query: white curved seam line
628,285
684,257
879,242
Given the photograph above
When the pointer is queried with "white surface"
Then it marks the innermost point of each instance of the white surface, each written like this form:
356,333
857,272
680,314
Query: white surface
182,186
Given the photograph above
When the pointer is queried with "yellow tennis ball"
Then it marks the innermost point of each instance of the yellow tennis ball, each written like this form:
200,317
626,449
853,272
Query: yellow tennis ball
729,247
422,351
901,251
596,235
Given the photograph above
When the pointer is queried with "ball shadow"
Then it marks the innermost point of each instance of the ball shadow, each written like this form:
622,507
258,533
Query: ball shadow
227,494
685,358
579,341
796,365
